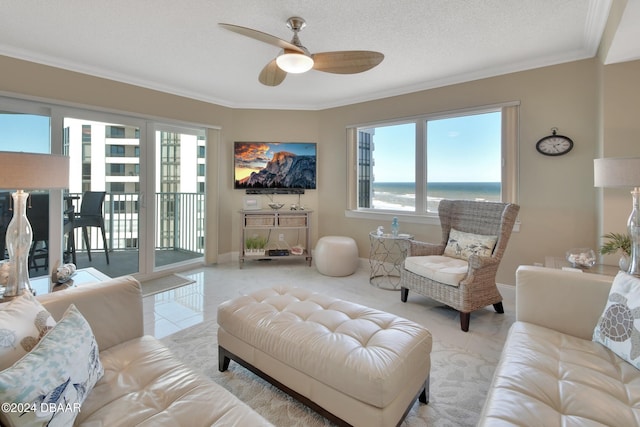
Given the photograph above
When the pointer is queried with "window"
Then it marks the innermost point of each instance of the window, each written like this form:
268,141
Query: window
115,150
86,133
116,187
410,165
116,169
86,171
114,131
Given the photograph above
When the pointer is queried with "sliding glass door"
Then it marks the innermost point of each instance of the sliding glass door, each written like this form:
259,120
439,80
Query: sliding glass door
105,160
179,195
148,178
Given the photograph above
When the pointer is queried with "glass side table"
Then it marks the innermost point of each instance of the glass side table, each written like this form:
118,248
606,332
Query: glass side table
386,256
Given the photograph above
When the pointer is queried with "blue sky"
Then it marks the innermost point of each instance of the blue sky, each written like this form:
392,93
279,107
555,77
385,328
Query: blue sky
460,149
24,132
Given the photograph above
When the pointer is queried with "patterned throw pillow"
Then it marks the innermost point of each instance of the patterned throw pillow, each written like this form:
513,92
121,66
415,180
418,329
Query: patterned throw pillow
616,328
23,322
50,383
462,245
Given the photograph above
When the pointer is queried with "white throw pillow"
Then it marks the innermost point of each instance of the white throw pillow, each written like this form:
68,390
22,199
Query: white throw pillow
23,322
617,328
462,245
49,384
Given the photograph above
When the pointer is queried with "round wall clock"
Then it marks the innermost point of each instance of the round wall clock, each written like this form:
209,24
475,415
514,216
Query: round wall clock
554,144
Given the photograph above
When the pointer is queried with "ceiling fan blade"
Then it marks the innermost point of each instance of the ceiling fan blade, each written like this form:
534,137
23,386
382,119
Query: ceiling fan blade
263,37
347,61
271,74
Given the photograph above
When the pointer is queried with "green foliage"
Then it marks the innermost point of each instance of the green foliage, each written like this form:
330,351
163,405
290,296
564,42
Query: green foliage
255,242
616,242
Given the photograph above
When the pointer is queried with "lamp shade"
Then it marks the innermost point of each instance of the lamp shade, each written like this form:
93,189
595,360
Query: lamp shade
33,171
295,63
616,172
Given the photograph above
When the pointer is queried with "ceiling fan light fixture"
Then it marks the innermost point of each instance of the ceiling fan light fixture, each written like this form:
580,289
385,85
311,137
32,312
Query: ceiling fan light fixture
295,63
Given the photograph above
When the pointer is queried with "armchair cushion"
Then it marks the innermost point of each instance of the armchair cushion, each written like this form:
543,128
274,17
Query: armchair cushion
440,268
462,245
616,328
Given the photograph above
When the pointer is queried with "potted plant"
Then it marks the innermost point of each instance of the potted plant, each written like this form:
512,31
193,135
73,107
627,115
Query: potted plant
617,242
255,245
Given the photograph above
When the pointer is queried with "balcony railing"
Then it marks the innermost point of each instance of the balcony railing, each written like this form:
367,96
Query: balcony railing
179,222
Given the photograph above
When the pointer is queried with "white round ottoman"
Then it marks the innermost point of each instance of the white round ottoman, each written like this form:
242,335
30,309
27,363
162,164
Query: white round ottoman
336,256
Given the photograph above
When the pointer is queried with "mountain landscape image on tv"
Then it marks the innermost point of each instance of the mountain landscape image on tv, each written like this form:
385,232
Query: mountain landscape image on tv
264,166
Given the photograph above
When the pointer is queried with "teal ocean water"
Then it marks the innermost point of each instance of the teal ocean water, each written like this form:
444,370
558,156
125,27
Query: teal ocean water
402,195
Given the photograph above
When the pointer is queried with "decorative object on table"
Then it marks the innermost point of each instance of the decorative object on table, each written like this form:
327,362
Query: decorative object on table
297,250
251,203
380,231
624,172
5,272
255,245
27,171
618,242
394,226
65,272
276,206
554,144
581,257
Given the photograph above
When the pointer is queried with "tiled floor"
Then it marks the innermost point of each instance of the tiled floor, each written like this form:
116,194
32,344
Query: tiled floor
172,311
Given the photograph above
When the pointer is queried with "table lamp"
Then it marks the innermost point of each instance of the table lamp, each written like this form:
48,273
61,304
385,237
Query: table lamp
26,171
623,172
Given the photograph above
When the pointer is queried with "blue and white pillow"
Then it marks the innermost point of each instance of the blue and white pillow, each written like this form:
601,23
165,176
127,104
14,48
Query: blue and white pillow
23,322
618,327
55,377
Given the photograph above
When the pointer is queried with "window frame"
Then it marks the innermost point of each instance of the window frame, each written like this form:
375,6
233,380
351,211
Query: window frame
509,161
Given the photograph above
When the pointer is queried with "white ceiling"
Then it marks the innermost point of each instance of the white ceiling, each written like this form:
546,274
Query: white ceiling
177,46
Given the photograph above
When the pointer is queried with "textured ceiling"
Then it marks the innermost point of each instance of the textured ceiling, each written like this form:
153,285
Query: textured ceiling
177,47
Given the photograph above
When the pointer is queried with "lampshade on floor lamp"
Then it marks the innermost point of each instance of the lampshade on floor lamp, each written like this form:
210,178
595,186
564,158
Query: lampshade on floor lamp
623,172
26,171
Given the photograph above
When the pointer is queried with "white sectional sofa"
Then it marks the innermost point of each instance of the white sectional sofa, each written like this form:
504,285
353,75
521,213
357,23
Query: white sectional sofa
143,384
551,373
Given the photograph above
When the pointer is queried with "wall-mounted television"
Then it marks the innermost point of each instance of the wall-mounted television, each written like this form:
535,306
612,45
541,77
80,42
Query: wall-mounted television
274,167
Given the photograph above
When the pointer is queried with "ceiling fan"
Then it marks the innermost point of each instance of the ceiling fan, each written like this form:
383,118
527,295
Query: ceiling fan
295,58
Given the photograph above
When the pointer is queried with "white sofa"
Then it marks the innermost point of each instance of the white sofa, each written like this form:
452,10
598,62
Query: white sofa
143,384
551,373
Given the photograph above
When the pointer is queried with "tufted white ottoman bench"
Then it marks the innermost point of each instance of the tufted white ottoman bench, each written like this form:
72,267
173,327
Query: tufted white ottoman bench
336,256
352,364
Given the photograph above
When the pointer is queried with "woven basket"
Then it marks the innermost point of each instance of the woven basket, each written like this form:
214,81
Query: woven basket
292,221
260,220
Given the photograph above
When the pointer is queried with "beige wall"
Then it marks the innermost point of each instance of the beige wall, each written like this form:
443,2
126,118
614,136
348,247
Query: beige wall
620,138
270,126
557,198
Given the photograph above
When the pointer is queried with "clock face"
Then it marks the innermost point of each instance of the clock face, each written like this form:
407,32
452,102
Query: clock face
554,145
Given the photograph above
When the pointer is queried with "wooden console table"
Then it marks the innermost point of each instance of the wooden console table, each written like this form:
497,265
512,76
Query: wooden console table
276,226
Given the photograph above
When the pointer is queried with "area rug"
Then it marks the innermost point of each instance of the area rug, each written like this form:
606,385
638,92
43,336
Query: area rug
164,283
459,383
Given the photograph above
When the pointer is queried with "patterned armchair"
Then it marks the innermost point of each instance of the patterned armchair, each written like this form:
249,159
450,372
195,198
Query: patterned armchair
461,270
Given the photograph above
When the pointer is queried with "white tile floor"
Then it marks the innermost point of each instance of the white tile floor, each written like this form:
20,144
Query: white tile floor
172,311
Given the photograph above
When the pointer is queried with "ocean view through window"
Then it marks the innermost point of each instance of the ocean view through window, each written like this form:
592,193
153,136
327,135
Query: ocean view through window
401,195
410,166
